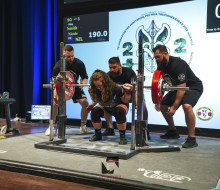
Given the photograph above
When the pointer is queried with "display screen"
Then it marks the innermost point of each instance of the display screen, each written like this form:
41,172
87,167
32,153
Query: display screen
190,30
86,28
40,112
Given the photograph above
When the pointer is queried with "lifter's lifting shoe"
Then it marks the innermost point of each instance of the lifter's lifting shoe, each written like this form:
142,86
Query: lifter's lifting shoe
108,132
123,139
84,129
190,142
96,137
170,134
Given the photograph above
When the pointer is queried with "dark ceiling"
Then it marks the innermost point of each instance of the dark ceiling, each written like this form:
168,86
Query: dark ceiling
75,1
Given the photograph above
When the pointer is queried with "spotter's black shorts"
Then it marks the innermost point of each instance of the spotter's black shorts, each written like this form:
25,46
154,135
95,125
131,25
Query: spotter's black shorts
78,94
190,97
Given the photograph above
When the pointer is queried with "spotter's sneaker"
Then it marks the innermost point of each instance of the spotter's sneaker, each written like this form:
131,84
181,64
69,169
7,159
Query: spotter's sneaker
84,129
190,142
47,132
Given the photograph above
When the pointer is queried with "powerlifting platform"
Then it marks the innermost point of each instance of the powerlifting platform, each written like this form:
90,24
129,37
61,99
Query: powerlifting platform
99,148
108,147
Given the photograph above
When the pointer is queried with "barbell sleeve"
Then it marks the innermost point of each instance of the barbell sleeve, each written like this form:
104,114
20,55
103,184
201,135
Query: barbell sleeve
167,88
46,85
77,85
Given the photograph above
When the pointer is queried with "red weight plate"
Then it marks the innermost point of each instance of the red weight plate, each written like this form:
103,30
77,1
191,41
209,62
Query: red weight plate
155,91
69,90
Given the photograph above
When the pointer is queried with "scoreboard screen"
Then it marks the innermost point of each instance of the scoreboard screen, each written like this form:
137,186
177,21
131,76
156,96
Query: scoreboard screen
86,28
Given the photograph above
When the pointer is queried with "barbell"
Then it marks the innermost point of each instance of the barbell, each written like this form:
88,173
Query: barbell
158,86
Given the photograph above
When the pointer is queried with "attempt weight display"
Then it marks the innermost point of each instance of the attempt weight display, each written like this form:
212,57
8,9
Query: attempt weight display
86,28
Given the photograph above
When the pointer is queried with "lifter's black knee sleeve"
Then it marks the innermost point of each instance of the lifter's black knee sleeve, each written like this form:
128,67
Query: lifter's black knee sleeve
96,114
120,115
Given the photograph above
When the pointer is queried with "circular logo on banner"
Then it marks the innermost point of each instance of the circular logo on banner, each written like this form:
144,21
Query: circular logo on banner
156,28
204,113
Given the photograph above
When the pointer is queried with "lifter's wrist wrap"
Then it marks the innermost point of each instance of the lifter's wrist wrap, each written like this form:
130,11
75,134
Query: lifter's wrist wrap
127,91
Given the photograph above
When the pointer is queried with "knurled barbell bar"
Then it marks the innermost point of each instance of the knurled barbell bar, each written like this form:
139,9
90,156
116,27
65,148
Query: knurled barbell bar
158,87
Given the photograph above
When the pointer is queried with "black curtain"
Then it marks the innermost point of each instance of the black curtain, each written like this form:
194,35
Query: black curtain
28,35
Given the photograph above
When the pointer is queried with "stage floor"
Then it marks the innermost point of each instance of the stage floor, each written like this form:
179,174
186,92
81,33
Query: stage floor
195,169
